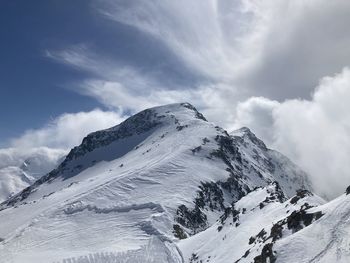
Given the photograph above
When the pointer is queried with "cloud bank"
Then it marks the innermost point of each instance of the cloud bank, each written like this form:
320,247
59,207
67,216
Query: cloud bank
315,133
38,151
67,130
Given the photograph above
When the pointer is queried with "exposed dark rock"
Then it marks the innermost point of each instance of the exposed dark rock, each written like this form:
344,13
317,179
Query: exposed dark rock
227,149
267,255
347,190
233,186
179,232
181,127
197,149
276,231
298,219
246,254
194,258
193,219
251,240
205,140
301,193
211,196
275,195
197,113
230,211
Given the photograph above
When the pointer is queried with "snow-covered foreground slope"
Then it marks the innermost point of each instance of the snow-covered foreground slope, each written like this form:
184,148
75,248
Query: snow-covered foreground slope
19,168
155,188
261,221
326,240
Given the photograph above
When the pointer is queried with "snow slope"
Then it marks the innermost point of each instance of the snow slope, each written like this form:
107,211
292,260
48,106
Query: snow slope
326,240
261,219
135,190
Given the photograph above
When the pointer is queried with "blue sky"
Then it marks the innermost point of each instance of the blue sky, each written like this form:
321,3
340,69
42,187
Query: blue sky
34,88
279,67
31,85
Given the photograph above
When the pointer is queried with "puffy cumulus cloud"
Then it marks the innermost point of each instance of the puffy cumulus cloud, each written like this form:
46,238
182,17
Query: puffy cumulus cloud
16,157
315,133
300,42
21,167
67,130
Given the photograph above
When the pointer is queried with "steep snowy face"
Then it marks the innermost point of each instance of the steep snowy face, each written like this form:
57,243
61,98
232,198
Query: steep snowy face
268,163
163,175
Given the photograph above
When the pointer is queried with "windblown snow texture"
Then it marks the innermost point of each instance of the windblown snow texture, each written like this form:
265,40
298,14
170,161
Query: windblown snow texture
166,185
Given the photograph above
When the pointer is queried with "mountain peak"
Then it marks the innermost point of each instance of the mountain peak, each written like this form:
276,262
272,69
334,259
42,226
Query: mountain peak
178,113
162,175
243,130
246,134
114,142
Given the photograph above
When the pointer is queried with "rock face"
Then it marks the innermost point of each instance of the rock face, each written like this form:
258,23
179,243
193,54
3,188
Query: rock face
165,185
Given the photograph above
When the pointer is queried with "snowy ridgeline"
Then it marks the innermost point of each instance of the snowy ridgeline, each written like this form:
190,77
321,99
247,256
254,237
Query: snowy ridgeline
166,185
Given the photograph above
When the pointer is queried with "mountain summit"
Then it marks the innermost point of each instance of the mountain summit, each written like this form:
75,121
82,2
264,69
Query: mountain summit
165,185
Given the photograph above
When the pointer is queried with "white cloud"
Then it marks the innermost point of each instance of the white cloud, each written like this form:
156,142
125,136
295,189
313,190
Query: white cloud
264,53
126,89
278,49
269,48
39,151
300,42
314,133
257,114
193,30
21,167
67,130
42,156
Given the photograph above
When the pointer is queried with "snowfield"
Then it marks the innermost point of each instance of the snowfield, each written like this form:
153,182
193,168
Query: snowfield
168,186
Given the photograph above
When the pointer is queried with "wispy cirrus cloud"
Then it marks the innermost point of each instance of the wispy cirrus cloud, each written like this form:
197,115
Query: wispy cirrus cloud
243,62
276,49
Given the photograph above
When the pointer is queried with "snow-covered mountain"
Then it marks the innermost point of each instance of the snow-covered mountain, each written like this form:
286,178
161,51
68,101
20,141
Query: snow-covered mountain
20,168
166,185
